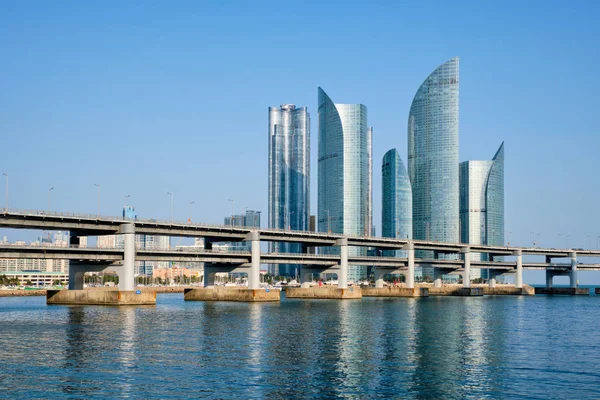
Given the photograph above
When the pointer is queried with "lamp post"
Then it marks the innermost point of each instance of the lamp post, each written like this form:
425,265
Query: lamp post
6,204
232,209
50,198
98,186
190,218
171,194
125,202
509,234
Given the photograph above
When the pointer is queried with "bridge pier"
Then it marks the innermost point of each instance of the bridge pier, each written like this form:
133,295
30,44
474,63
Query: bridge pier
466,251
549,276
379,273
410,273
573,273
343,272
127,273
254,272
519,272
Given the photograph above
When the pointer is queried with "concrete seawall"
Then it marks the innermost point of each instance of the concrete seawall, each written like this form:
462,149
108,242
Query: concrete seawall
42,292
221,293
323,293
455,290
100,297
567,291
392,291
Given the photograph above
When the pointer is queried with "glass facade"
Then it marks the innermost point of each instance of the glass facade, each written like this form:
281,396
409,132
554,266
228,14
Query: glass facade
482,205
345,180
433,158
396,203
289,176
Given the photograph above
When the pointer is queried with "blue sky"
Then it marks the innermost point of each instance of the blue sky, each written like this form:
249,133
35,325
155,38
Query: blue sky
149,97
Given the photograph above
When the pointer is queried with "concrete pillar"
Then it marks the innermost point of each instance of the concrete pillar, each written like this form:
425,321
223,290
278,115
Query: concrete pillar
410,273
254,273
573,273
437,278
76,273
519,273
467,272
305,278
549,276
127,278
379,273
343,271
492,282
209,275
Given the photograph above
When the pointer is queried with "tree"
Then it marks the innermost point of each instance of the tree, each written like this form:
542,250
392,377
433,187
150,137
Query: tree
29,283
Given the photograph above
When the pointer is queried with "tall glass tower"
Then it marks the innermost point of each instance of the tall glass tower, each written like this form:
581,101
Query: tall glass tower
289,175
482,204
345,167
396,204
433,157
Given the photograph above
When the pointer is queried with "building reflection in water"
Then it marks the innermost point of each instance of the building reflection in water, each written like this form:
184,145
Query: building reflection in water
80,351
456,347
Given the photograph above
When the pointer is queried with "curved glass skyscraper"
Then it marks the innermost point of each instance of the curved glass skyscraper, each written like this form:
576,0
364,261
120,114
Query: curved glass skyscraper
482,204
289,175
433,157
396,204
345,165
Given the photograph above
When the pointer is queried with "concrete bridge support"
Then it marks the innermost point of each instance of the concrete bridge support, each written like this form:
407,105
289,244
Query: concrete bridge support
305,277
410,273
78,269
492,275
466,251
343,272
76,273
573,272
127,272
549,276
437,278
519,272
209,275
379,273
254,272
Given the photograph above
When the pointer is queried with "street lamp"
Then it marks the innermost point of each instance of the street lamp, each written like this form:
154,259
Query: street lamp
190,218
125,202
6,206
509,234
50,198
171,194
232,209
98,186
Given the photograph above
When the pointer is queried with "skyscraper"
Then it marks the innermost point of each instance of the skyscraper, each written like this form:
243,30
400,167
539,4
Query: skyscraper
345,162
396,201
289,175
482,204
433,157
